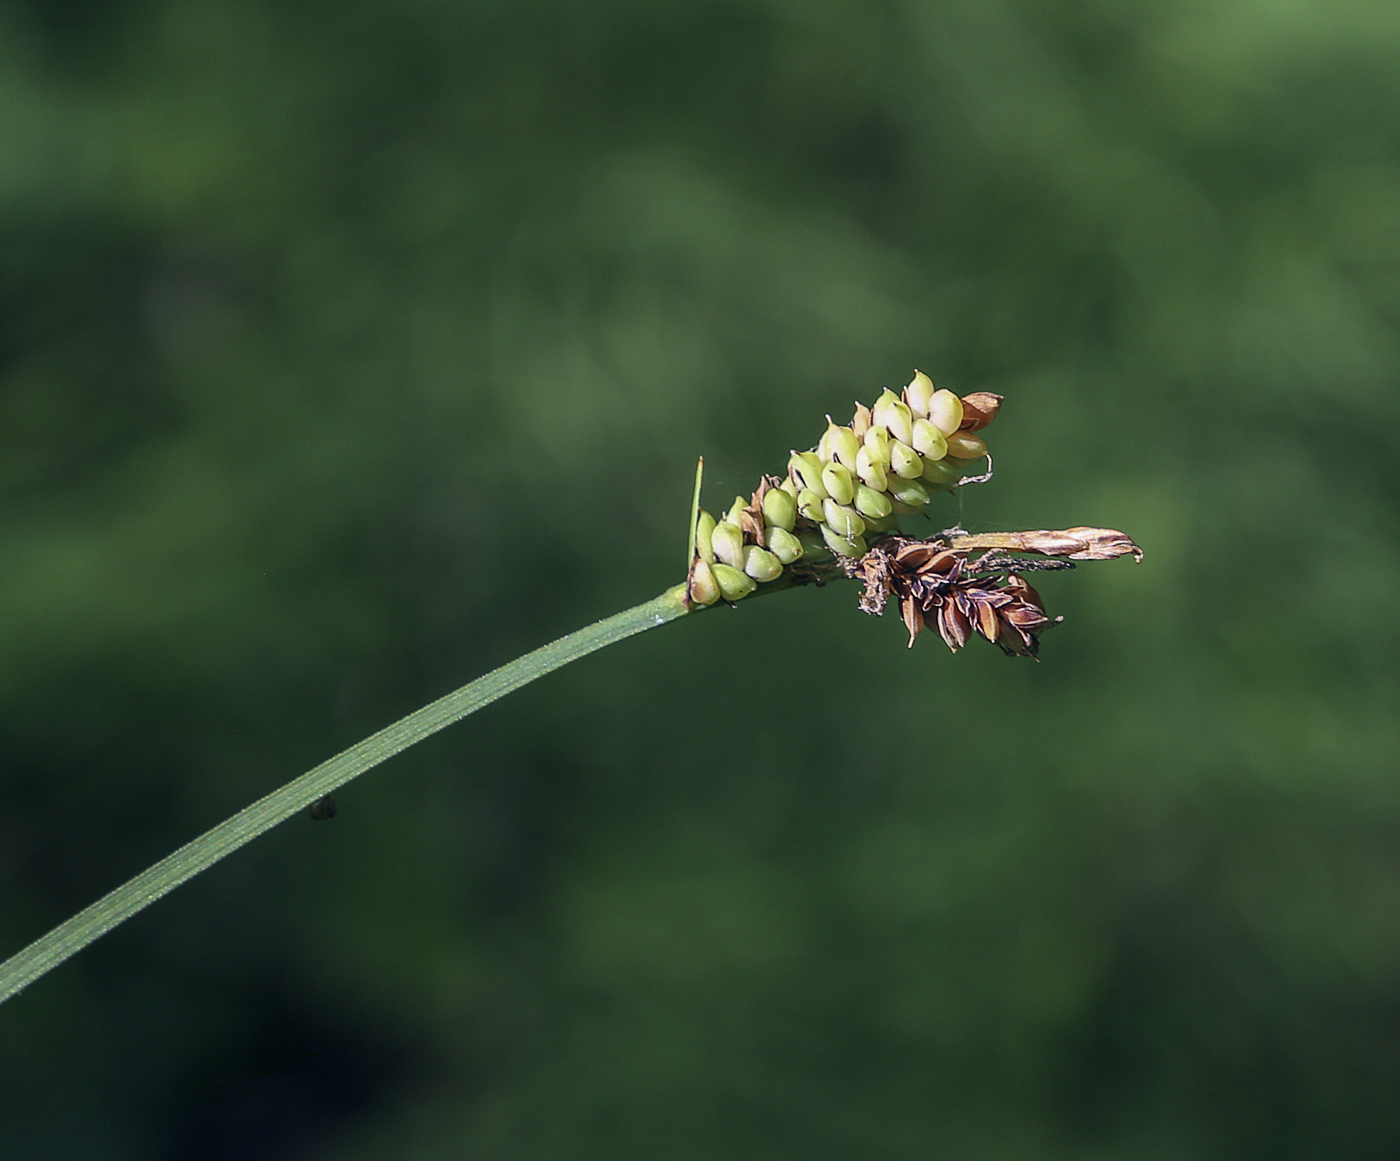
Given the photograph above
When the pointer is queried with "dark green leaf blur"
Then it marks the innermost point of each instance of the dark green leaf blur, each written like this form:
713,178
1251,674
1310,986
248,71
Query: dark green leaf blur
349,350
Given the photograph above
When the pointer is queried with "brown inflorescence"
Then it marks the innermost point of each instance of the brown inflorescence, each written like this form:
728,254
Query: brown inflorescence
946,590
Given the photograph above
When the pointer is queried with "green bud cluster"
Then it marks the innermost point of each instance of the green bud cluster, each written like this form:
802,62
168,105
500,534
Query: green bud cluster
850,488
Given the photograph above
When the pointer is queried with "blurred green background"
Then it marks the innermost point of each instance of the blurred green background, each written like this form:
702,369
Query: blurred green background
348,350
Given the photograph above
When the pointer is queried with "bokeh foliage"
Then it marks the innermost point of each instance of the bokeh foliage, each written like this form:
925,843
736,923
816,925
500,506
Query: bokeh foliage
347,350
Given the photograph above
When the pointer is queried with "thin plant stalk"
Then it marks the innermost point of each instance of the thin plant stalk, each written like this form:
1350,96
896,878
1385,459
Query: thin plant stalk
47,952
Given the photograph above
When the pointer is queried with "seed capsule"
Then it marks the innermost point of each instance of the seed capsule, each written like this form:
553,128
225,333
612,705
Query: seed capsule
966,446
806,469
838,483
809,505
909,492
945,411
780,509
840,443
843,545
784,545
942,474
860,422
892,413
728,543
905,461
704,589
918,393
870,503
842,520
733,584
704,527
761,564
735,515
929,441
869,470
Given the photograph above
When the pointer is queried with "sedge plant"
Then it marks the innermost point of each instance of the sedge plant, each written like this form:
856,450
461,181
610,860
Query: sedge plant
834,514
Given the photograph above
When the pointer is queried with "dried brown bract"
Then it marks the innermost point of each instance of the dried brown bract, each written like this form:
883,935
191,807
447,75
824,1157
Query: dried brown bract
979,409
944,589
1070,543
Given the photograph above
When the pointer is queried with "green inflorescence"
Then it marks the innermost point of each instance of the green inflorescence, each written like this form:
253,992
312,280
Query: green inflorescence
850,488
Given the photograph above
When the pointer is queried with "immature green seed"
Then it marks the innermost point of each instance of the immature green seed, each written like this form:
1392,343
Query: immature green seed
704,527
789,485
780,509
733,585
842,545
869,470
909,492
929,441
704,589
806,469
842,520
784,545
905,461
870,503
735,515
942,473
966,446
841,445
761,564
892,413
945,411
877,443
728,542
836,479
918,393
809,505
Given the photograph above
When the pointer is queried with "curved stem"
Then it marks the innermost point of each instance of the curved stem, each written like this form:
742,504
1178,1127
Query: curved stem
47,952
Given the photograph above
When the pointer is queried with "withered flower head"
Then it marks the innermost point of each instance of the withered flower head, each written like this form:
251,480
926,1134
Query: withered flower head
945,590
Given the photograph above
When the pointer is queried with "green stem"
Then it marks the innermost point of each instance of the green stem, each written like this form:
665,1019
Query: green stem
47,952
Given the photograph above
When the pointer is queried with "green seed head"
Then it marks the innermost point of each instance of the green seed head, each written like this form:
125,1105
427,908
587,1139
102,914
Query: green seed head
704,589
809,505
780,509
945,411
784,545
905,461
909,492
761,564
704,528
942,474
733,584
728,543
877,443
869,470
918,393
842,519
892,413
806,469
839,444
836,479
929,441
841,545
872,504
966,446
